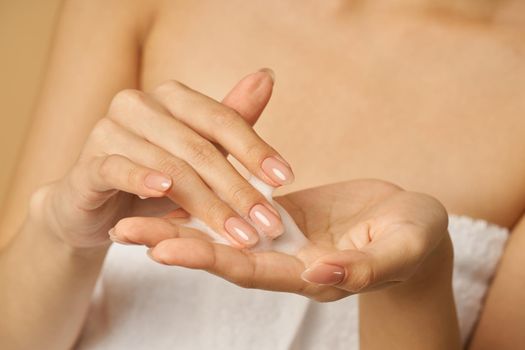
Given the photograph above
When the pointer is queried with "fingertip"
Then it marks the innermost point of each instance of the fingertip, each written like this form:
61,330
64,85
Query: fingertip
269,72
324,274
158,182
241,232
267,220
278,170
153,257
163,252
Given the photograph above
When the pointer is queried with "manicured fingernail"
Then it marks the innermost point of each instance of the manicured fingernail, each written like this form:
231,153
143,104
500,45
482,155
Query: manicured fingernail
157,182
277,170
269,71
143,197
241,231
266,221
324,274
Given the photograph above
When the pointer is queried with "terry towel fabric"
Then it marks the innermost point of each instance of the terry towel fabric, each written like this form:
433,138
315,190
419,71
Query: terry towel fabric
139,304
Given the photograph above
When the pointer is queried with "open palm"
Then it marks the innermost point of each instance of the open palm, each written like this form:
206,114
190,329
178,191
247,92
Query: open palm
362,235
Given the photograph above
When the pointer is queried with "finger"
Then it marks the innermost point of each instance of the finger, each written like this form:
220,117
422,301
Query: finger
142,116
149,231
251,94
105,175
188,189
223,125
178,213
249,97
393,258
268,270
350,270
160,207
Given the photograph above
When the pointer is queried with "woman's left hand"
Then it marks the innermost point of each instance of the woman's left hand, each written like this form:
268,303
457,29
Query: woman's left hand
363,235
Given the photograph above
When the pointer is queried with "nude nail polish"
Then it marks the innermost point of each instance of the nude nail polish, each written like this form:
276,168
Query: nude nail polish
324,274
241,231
277,170
266,221
157,182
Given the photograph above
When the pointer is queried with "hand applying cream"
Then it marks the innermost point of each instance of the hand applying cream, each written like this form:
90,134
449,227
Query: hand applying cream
289,242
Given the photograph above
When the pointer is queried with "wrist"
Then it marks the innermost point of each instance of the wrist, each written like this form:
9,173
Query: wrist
434,272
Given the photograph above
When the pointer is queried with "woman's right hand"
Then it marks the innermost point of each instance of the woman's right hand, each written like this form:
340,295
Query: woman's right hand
170,146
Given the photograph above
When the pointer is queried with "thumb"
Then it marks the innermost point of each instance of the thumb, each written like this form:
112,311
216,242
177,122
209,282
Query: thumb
388,261
251,94
351,270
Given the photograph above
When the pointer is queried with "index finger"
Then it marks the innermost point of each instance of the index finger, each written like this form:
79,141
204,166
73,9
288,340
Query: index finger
225,126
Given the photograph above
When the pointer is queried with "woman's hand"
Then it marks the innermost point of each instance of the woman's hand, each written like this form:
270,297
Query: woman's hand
170,146
363,235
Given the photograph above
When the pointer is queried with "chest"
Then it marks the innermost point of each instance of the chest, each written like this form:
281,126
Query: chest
430,107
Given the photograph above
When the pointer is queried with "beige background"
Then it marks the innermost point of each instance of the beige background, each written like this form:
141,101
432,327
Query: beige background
26,28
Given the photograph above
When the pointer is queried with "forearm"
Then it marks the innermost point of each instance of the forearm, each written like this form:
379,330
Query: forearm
416,314
46,289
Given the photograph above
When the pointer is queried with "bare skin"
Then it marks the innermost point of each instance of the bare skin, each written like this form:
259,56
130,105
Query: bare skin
451,127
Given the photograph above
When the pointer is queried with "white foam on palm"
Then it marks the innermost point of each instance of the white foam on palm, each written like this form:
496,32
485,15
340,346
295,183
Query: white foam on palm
289,242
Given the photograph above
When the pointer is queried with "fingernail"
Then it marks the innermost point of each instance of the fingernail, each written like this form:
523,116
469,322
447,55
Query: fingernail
143,197
269,71
157,182
277,170
266,221
114,238
324,274
241,231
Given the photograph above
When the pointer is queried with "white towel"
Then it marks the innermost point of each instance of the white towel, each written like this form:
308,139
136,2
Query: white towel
143,305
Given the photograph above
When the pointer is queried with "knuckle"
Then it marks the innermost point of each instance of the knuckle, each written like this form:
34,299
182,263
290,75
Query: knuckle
244,195
256,150
200,152
105,126
178,171
102,129
128,97
79,185
124,100
223,117
37,201
168,87
215,211
246,276
360,279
